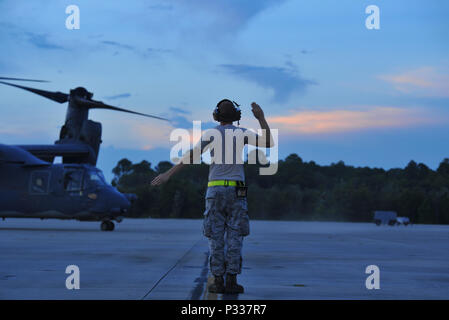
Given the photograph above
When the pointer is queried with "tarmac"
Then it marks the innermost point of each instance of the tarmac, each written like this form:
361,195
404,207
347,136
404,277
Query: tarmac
168,259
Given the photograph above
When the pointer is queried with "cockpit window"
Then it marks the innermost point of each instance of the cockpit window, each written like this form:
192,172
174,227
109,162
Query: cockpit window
73,180
97,178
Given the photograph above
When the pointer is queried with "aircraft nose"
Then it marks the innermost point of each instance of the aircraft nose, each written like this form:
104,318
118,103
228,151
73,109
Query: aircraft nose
119,203
125,204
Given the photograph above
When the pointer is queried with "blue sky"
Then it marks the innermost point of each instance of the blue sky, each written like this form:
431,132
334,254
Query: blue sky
334,89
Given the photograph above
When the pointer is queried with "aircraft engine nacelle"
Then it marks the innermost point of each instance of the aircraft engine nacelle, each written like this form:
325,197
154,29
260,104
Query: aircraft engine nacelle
91,134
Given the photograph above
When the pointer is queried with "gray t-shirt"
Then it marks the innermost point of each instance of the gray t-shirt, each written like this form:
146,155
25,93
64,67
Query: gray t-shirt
226,170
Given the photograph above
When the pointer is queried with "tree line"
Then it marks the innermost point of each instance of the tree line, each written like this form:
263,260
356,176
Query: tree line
298,191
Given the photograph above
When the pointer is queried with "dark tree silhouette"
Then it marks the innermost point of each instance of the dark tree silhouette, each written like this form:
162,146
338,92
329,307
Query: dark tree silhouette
299,191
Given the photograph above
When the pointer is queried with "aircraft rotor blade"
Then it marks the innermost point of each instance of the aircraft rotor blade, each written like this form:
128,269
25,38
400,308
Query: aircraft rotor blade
55,96
92,104
20,79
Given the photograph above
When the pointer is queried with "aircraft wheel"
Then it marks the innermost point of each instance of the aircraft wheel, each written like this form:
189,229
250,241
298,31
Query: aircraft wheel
104,226
107,226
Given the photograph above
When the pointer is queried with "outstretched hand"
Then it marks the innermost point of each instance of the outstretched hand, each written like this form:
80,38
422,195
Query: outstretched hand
160,179
257,111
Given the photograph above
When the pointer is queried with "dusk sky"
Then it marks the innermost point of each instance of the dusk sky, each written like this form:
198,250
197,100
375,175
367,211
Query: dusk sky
334,89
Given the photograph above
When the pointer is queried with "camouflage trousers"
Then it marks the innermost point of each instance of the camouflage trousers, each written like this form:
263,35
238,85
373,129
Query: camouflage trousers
226,222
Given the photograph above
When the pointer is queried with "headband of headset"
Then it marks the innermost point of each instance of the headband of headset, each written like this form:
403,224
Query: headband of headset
228,117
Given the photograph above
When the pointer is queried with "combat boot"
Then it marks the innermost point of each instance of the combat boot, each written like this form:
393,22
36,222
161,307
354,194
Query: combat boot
218,285
231,284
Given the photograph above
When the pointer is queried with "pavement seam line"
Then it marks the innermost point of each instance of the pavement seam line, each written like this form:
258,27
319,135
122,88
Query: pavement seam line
169,270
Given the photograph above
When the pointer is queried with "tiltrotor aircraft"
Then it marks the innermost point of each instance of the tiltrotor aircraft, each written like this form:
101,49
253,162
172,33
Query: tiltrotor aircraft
32,186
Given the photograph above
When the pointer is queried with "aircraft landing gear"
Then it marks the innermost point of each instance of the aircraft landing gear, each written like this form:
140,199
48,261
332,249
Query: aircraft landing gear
107,225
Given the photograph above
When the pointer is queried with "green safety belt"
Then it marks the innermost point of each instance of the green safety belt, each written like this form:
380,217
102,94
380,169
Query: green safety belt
230,183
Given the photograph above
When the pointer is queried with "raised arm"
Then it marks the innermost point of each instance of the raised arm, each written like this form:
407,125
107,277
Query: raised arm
266,139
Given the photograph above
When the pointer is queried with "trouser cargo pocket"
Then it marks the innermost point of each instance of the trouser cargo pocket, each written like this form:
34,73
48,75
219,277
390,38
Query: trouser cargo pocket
243,218
207,222
244,225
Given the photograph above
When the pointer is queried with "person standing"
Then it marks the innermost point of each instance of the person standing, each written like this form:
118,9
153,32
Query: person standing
226,219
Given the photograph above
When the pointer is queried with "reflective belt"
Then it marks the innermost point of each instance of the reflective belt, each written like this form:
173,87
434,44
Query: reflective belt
225,183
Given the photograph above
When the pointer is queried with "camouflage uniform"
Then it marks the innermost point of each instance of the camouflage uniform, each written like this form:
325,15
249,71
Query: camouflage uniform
225,213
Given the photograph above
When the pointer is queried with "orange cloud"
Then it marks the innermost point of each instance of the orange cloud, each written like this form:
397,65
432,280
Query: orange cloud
145,135
424,81
335,121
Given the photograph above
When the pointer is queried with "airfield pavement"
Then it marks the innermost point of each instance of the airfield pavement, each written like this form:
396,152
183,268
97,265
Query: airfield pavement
167,259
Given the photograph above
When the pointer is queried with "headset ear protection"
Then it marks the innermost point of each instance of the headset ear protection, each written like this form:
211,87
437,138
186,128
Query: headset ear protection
234,116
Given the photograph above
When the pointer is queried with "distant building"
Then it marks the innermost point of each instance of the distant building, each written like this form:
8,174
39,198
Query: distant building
385,217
